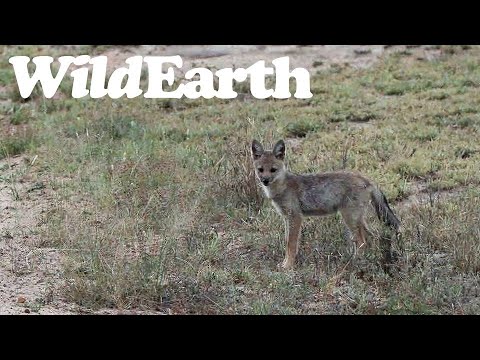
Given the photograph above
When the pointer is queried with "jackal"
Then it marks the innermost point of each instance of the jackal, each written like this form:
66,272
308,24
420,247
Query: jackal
295,196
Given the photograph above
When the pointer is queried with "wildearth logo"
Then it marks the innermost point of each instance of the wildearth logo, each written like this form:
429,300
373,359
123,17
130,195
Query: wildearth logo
202,86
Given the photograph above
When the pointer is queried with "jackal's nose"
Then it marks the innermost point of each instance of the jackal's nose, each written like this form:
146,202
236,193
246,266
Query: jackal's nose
265,182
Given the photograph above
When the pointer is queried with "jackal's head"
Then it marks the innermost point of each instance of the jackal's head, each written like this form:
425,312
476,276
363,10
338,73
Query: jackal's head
269,165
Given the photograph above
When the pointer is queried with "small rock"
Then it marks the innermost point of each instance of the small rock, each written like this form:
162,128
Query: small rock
27,311
362,51
37,186
21,300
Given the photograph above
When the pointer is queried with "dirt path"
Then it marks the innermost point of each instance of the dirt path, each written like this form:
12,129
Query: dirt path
30,275
30,272
311,57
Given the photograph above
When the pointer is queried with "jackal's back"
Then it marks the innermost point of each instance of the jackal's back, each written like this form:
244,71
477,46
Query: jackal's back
325,193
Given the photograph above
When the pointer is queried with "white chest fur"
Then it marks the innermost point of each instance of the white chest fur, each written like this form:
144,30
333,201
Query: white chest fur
275,205
267,191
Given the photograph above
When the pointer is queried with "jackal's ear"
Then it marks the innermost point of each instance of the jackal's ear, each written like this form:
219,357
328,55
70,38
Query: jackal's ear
257,150
279,150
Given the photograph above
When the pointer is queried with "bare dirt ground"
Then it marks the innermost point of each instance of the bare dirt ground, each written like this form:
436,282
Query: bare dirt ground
30,271
307,56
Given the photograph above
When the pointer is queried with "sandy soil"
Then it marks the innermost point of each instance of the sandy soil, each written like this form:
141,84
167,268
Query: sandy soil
29,273
311,57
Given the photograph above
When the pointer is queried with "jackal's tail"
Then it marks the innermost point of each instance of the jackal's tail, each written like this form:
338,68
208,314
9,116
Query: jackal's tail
383,210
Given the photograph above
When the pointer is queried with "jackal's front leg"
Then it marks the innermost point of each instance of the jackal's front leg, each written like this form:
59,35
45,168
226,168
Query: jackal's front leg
293,225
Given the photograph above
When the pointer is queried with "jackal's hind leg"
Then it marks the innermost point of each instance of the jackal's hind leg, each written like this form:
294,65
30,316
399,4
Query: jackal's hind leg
355,224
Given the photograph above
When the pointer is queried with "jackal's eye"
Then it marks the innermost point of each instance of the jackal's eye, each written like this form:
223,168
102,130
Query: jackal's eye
260,170
273,170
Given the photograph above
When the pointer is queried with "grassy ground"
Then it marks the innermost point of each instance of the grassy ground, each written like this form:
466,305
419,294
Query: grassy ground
157,206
